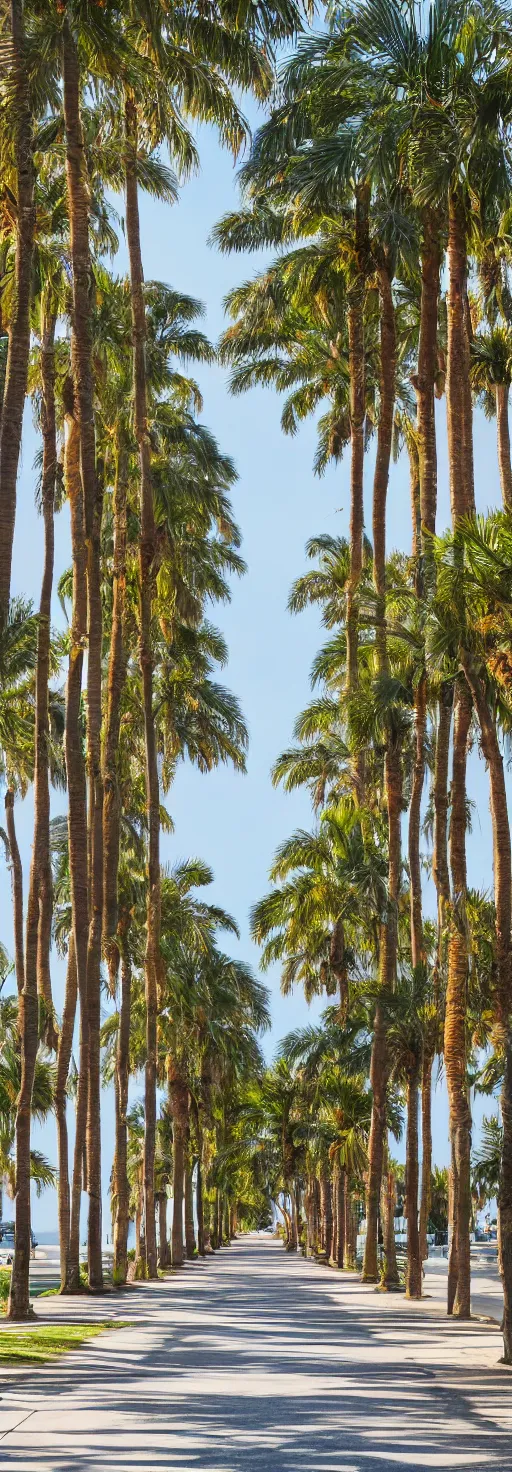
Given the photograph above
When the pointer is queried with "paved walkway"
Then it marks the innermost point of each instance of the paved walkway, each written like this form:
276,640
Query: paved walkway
261,1362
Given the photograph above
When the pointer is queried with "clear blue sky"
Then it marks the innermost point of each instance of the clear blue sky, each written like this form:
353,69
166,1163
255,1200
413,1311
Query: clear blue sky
232,822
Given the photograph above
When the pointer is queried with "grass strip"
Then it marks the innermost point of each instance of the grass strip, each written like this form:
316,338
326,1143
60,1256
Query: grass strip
47,1341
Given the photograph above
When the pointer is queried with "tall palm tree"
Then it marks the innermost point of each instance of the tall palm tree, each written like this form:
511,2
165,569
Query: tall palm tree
18,653
484,591
18,119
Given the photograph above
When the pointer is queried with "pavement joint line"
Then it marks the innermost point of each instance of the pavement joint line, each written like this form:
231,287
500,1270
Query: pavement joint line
19,1423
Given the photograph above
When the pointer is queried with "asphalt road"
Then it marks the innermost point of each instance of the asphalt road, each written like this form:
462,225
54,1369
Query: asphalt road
261,1362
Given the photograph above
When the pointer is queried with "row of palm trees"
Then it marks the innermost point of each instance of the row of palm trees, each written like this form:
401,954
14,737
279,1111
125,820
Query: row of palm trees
98,98
383,178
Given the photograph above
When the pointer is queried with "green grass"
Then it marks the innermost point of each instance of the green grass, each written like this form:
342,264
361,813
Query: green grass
47,1341
5,1283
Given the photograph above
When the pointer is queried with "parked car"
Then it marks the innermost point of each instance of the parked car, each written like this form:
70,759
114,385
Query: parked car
7,1242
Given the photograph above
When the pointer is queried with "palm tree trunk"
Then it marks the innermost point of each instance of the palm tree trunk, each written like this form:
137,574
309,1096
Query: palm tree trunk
418,777
458,388
178,1106
326,1211
314,1215
390,1279
455,1020
335,1223
138,1226
503,430
227,1222
460,458
121,1082
19,1296
79,208
501,833
357,376
146,577
426,1147
43,885
388,958
116,681
190,1236
95,815
505,1203
74,1282
178,1254
441,877
220,1220
63,1062
440,871
209,1233
424,383
387,373
502,866
414,1263
293,1241
17,890
212,1211
350,1231
163,1245
393,788
343,1193
339,1183
217,1219
357,418
309,1213
201,1228
414,485
77,819
452,1233
376,1143
19,329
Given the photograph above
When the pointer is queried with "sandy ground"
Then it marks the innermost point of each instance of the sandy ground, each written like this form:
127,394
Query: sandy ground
263,1362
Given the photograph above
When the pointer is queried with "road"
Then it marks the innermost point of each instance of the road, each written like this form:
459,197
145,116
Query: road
256,1361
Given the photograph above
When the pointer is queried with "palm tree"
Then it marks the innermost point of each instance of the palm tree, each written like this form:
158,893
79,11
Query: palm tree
484,590
17,661
19,121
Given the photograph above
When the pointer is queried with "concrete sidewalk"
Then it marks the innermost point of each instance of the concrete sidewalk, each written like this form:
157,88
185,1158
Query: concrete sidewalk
257,1361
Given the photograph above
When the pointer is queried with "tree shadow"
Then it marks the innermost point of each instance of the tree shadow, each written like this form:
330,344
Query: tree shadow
262,1362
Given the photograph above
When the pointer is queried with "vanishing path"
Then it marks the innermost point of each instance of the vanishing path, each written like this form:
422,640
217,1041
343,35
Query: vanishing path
261,1362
